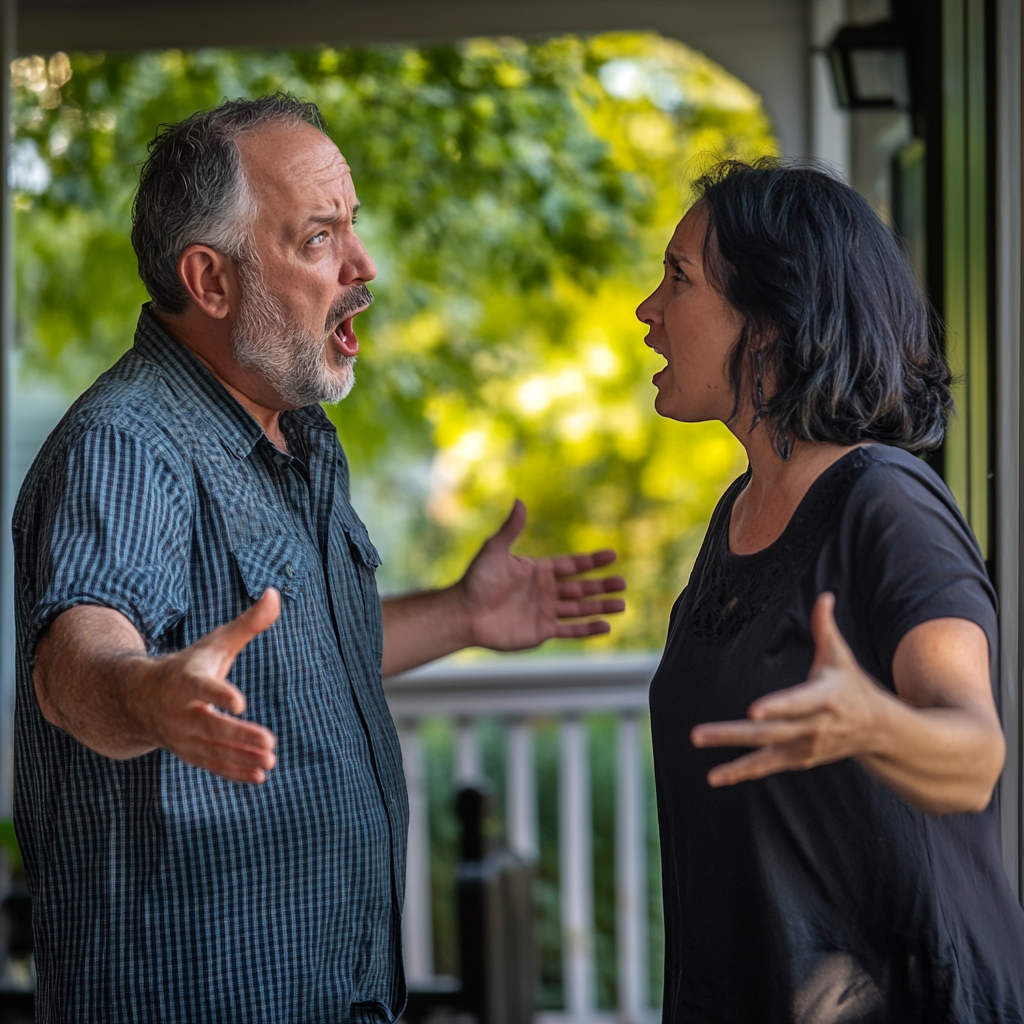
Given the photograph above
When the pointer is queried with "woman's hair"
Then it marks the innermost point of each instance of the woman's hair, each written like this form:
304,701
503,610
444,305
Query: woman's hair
835,323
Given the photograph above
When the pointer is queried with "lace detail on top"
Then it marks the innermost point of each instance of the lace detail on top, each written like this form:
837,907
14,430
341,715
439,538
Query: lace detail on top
733,590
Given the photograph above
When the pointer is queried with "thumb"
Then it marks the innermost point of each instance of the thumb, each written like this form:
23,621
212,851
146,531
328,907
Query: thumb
232,637
512,527
829,646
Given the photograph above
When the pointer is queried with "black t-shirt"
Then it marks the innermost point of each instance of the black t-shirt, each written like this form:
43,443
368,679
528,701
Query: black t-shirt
820,896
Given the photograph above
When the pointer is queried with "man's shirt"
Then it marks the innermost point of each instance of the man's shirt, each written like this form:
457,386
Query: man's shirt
161,892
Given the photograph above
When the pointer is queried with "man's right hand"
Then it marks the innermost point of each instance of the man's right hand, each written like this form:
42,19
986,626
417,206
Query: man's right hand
121,703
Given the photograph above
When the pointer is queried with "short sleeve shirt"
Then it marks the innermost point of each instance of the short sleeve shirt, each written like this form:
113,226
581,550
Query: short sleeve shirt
161,892
821,895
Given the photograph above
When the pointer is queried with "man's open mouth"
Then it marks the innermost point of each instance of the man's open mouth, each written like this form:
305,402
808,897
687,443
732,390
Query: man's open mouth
344,333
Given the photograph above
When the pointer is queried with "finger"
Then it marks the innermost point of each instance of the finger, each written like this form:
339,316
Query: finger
205,723
829,646
573,565
757,765
574,630
512,527
218,692
744,733
588,588
793,702
232,637
200,749
217,760
580,609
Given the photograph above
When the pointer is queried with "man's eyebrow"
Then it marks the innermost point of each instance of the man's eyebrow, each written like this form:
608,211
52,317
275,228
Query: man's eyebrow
329,218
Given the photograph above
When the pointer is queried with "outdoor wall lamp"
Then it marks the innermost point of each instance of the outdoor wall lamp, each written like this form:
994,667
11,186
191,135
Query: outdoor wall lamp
869,67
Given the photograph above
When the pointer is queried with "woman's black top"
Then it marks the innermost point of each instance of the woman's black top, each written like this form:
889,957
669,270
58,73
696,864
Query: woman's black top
820,896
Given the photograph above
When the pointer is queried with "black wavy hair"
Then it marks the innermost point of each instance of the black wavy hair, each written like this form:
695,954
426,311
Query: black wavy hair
849,349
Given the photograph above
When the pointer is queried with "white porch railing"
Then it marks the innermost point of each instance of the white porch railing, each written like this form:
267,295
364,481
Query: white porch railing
518,691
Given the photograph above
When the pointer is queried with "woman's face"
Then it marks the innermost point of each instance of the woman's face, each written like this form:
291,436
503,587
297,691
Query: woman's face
694,328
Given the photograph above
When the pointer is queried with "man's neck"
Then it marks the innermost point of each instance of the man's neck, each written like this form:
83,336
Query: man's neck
207,342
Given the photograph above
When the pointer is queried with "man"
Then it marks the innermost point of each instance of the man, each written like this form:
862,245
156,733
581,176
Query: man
197,609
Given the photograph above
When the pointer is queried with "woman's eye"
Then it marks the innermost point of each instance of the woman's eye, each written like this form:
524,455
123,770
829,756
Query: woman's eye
677,273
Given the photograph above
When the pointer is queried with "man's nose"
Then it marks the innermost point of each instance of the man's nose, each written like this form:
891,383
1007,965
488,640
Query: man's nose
357,267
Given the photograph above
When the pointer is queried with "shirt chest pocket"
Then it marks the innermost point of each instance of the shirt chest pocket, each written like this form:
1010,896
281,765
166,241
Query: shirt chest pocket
278,561
363,551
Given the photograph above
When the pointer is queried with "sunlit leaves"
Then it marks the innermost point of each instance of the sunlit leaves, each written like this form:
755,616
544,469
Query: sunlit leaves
516,198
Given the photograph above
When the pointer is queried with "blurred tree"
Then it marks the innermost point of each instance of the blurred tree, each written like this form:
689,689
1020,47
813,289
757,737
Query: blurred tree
517,198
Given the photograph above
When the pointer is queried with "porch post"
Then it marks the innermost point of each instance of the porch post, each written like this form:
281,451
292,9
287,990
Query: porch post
1009,478
8,47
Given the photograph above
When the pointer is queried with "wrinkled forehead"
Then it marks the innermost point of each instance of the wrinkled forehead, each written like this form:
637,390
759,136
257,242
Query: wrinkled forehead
294,167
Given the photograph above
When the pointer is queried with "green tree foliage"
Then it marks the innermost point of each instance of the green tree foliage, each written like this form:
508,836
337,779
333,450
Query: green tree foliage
516,197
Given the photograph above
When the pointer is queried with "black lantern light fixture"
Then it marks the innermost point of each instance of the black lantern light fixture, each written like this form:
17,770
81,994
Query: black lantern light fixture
869,67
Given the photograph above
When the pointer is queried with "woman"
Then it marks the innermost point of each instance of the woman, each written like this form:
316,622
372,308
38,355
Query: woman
840,622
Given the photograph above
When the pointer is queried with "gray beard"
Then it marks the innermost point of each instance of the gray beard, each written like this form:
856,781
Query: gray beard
300,365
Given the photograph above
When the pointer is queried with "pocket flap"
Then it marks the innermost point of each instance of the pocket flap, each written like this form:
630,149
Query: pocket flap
278,561
359,541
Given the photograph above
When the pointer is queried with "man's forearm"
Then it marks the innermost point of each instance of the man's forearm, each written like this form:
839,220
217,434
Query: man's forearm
87,681
422,627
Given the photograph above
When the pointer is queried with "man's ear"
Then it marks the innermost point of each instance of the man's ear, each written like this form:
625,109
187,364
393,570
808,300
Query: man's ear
211,280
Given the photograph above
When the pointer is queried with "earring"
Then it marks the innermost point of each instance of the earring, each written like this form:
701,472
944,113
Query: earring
759,382
785,449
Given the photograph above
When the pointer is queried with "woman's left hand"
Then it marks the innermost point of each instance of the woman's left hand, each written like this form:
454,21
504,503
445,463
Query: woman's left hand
831,716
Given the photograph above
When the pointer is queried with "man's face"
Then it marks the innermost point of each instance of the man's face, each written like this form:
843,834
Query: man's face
307,279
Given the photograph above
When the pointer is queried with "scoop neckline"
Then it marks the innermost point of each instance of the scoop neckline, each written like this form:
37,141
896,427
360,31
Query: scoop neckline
796,516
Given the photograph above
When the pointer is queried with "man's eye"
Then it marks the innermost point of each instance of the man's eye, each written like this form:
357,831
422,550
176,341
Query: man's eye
317,238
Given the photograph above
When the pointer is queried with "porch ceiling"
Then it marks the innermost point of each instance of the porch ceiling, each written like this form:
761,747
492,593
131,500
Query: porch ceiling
763,42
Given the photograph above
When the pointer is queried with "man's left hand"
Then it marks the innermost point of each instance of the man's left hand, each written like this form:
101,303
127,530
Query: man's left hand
504,602
512,603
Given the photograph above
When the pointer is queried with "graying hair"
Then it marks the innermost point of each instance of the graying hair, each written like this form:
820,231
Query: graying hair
193,190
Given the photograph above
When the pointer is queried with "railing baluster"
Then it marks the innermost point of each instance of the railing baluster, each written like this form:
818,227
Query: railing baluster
576,871
468,766
630,874
521,791
417,940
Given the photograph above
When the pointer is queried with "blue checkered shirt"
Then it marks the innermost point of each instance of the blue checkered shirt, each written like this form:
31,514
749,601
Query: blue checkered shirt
161,892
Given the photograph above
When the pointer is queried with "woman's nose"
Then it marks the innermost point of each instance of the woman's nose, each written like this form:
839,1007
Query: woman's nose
647,312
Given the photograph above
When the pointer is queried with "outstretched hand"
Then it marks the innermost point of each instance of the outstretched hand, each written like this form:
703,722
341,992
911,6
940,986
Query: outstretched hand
829,717
512,602
192,692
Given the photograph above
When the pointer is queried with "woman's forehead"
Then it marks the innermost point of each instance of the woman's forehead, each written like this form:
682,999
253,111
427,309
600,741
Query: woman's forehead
689,235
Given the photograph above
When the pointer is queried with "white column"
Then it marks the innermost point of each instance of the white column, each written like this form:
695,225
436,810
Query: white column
468,767
521,791
630,874
417,940
830,126
576,871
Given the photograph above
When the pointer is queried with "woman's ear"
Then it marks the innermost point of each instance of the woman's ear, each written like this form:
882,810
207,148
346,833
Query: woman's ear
211,280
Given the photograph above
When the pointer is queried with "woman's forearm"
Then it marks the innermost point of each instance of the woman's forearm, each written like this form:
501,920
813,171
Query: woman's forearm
941,760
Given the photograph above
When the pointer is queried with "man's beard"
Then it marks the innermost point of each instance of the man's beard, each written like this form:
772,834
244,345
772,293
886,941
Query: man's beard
301,366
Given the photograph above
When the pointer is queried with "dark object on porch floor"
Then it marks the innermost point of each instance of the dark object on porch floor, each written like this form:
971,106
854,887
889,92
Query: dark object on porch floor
498,968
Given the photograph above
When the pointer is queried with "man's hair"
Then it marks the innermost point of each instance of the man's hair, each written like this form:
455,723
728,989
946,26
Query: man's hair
849,351
192,190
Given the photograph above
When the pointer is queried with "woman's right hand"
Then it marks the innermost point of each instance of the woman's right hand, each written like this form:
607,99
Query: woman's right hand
938,743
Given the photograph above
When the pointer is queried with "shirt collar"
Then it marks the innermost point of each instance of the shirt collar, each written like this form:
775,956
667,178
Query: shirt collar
226,416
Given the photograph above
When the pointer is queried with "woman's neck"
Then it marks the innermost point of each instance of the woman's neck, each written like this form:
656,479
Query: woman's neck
764,507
